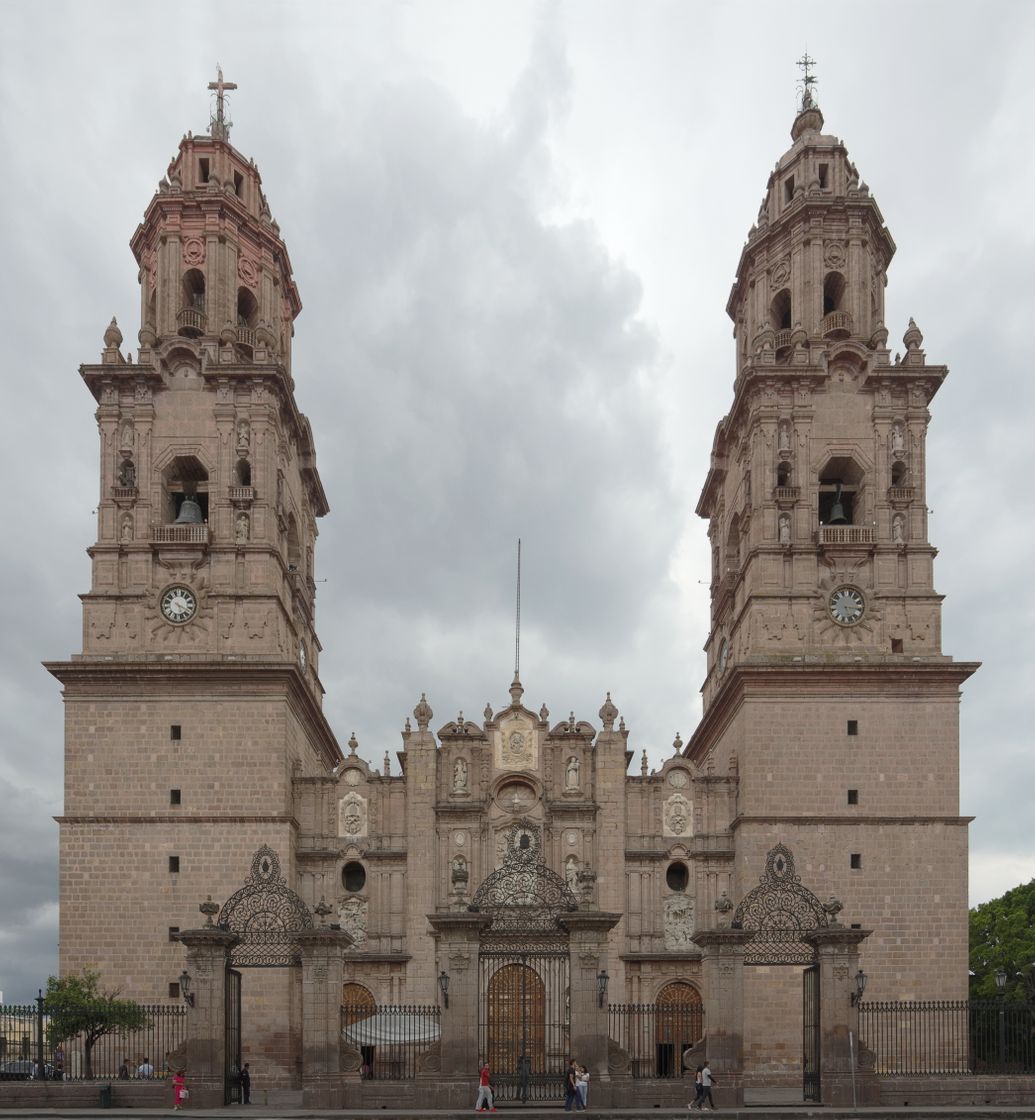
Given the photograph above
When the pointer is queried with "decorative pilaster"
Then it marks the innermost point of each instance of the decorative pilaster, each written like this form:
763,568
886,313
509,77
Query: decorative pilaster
457,936
587,945
322,974
837,956
208,954
722,968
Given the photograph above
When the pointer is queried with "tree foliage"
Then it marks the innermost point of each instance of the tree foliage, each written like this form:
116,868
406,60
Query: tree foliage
76,1008
1002,936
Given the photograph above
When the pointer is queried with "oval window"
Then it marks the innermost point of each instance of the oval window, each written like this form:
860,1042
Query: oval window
353,876
677,876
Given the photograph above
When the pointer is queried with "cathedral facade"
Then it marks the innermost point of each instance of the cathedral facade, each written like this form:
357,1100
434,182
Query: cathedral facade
519,883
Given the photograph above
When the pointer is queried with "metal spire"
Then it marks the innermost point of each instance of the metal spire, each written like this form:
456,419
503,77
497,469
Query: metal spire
219,126
517,624
807,82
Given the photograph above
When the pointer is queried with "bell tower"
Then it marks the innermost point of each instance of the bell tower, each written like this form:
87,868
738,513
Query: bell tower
209,493
196,700
828,698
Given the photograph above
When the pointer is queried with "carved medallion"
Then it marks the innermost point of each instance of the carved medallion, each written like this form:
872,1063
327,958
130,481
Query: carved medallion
352,777
194,251
678,779
677,816
247,271
352,815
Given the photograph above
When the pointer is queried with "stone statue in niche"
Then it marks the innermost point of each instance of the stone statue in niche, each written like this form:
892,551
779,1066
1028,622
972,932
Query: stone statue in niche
244,434
126,441
127,472
677,817
571,773
460,775
784,436
352,815
241,528
126,529
898,439
571,872
785,528
679,921
352,914
898,529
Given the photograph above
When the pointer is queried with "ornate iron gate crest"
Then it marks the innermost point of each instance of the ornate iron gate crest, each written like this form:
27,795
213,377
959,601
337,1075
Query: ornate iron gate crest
266,914
780,911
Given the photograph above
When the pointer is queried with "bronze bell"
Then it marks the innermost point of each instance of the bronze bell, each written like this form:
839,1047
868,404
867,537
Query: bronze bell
837,510
190,513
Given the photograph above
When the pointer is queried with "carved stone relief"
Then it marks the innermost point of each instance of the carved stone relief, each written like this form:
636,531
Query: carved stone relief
516,745
679,921
677,816
352,914
352,815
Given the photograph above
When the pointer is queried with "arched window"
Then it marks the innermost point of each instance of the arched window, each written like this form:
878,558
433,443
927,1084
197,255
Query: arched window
294,549
357,1002
899,474
783,474
243,472
190,320
185,477
247,308
353,876
780,310
840,487
733,546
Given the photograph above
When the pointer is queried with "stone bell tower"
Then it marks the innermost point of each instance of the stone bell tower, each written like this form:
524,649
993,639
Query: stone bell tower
827,695
196,696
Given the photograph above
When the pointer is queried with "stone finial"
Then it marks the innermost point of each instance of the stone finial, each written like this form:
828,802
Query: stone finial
832,907
571,721
516,692
353,743
113,336
912,339
407,726
621,723
643,765
544,713
677,744
209,909
388,764
322,910
488,713
423,713
608,713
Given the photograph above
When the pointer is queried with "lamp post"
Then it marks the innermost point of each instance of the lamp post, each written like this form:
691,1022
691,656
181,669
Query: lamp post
188,995
443,983
860,987
1000,983
602,979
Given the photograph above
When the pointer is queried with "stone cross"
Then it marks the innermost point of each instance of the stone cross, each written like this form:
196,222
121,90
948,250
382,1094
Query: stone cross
220,88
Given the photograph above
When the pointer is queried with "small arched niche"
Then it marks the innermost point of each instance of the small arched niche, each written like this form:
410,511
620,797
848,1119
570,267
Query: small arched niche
780,310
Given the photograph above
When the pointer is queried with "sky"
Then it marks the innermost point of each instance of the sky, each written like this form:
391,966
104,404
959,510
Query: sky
514,226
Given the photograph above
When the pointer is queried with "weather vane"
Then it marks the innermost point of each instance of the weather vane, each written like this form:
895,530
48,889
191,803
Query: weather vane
807,82
219,127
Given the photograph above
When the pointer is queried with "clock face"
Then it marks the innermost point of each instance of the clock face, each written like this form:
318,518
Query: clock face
179,604
846,605
724,655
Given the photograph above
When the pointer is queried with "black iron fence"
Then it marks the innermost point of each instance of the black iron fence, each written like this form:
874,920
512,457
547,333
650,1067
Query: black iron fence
655,1035
391,1039
949,1037
27,1052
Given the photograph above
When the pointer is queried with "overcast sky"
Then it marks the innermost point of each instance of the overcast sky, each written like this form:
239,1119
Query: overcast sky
514,227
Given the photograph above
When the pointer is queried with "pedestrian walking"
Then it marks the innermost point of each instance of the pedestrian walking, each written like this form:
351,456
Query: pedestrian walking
485,1102
180,1091
707,1081
698,1090
571,1088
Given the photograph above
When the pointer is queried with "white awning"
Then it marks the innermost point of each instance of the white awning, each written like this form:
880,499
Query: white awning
392,1030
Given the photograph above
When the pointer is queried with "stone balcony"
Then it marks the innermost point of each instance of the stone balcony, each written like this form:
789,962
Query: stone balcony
845,534
901,495
190,322
838,324
241,495
786,495
179,534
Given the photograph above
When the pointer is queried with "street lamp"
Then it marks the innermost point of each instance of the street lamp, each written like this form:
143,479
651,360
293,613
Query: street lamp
602,979
1000,983
860,987
188,995
443,983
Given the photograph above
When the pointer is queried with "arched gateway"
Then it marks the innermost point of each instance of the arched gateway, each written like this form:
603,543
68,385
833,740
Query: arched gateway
524,1013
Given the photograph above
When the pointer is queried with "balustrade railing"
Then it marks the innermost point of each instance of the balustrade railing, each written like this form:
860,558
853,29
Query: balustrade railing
845,534
179,534
190,321
837,322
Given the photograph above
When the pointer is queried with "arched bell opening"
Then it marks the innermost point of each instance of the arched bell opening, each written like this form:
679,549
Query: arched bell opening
840,492
783,474
243,473
191,319
899,474
294,548
185,491
837,323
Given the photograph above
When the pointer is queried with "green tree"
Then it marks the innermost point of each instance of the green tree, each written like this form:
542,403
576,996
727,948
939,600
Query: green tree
77,1008
1002,936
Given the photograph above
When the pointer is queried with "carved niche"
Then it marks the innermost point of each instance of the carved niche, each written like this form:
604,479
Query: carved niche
516,744
679,921
352,815
677,816
352,914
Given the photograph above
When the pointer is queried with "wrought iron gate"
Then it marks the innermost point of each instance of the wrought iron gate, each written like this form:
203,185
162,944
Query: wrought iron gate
810,1042
232,1039
523,1021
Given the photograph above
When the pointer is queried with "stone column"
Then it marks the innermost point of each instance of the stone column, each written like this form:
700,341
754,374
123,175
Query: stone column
322,974
722,968
208,954
587,946
837,955
457,936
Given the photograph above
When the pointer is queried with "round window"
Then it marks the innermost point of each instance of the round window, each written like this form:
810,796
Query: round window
353,876
677,876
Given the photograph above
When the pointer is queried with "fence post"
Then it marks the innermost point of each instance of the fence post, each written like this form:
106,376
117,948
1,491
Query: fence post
42,1065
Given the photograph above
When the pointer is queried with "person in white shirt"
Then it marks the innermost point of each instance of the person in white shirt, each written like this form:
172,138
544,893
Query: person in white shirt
582,1084
707,1081
145,1069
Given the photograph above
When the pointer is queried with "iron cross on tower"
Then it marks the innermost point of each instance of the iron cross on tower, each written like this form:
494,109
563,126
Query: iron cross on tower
807,82
220,124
